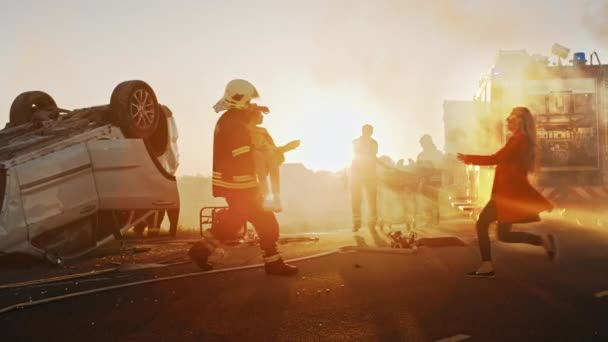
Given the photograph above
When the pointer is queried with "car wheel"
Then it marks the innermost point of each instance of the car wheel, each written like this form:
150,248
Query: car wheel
135,109
26,104
159,140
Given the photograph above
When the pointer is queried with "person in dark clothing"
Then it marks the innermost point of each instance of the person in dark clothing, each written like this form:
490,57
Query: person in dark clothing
430,164
154,222
173,215
513,199
234,178
363,177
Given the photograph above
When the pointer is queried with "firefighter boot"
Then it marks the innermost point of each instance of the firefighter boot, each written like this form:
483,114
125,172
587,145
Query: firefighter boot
199,253
274,265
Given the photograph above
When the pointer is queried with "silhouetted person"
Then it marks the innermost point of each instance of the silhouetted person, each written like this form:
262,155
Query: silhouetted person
173,216
429,163
154,222
363,174
513,199
430,156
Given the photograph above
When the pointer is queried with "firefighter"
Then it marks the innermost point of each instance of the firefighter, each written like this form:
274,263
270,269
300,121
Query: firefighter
234,178
363,173
429,164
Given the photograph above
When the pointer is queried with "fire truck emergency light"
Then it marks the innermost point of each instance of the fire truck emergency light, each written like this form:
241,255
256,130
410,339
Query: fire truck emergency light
579,58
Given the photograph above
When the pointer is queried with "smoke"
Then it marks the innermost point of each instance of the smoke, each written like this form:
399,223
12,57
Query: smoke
410,56
595,20
312,201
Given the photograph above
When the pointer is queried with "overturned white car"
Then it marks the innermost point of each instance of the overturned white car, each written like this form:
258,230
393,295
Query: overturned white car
72,180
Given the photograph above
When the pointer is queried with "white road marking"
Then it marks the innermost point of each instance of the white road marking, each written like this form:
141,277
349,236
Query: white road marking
455,338
602,294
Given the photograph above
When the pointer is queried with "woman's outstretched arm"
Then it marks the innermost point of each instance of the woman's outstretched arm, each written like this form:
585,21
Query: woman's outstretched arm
515,146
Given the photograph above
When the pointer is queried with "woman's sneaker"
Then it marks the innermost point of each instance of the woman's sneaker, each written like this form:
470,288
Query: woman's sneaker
476,274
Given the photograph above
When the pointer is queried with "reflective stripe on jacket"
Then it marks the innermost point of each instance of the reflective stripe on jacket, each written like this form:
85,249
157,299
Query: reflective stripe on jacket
233,167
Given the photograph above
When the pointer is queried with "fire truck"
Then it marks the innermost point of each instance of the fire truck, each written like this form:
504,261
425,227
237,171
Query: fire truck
569,102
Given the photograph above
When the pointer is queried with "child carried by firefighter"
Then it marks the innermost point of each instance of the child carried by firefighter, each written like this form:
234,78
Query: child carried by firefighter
267,158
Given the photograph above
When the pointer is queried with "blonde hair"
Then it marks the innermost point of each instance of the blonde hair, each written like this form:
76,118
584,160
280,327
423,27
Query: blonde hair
528,127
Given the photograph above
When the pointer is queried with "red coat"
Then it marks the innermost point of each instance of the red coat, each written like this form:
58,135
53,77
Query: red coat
516,200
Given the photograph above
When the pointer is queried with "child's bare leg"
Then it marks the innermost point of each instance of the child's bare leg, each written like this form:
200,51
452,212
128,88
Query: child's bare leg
272,165
259,159
275,175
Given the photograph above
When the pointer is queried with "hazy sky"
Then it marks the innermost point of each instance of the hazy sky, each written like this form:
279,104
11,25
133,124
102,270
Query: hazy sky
324,67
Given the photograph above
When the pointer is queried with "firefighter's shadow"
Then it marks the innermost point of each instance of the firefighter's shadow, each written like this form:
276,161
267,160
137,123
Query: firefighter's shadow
375,238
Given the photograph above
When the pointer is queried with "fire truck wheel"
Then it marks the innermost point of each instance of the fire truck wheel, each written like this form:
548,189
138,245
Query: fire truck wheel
135,109
26,104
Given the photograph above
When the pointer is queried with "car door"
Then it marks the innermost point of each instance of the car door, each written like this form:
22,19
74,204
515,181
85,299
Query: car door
129,178
57,189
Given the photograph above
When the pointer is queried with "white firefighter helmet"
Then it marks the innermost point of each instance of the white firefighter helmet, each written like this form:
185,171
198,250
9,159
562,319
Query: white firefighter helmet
237,95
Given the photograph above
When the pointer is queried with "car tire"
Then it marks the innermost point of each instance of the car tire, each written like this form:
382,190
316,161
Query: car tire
135,109
26,104
158,142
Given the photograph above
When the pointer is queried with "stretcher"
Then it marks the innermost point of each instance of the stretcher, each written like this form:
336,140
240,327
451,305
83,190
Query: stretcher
406,185
412,186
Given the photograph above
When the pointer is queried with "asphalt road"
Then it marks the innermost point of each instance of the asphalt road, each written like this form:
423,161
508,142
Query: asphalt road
347,296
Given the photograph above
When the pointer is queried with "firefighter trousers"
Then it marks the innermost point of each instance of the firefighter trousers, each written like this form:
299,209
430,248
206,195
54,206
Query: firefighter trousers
245,209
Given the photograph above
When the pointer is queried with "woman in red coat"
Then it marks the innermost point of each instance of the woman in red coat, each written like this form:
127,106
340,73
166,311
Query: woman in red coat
513,199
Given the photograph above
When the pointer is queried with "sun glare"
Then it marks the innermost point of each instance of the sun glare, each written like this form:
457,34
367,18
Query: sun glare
326,123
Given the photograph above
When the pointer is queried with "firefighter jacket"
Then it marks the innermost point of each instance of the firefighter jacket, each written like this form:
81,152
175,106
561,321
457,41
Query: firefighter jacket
233,164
